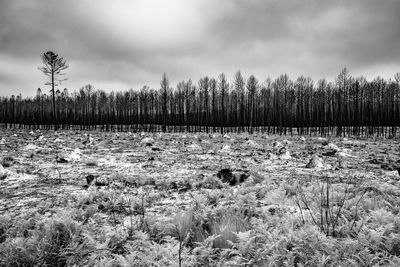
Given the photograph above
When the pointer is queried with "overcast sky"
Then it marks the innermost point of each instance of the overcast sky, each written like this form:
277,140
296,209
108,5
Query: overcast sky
122,44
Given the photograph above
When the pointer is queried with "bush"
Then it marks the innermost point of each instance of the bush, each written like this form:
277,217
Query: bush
46,242
329,205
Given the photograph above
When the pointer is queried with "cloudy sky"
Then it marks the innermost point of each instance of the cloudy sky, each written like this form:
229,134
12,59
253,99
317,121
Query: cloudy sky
122,44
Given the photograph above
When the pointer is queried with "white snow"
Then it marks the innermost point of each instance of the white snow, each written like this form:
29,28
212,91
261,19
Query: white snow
333,146
75,155
285,156
147,140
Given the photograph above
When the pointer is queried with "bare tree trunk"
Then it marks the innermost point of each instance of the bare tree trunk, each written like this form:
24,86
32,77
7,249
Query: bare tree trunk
54,100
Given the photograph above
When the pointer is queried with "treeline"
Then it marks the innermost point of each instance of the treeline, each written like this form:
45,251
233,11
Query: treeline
347,106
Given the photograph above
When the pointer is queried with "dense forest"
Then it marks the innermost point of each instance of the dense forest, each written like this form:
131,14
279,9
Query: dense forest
347,106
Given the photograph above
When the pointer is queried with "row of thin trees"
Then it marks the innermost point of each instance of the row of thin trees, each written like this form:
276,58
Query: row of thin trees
347,106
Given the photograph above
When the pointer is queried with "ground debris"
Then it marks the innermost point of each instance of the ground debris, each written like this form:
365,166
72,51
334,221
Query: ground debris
227,176
8,161
3,173
315,162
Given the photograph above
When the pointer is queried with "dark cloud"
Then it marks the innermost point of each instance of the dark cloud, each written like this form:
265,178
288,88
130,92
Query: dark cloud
125,44
316,36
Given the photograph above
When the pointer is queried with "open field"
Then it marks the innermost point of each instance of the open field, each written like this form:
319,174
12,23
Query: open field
142,199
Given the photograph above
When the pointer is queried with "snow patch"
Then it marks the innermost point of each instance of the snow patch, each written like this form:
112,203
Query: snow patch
194,147
3,172
286,142
277,144
343,154
315,162
252,143
147,140
226,148
285,156
75,155
333,147
30,147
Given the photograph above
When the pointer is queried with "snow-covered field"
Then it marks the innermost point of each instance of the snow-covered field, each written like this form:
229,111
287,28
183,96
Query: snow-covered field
136,199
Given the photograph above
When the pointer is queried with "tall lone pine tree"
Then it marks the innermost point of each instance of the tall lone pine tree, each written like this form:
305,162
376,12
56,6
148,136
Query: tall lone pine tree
53,65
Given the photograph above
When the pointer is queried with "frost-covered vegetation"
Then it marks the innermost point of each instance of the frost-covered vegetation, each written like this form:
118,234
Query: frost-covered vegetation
123,199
